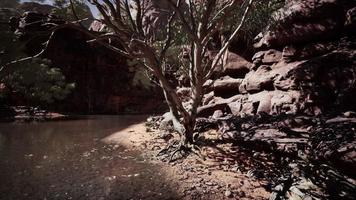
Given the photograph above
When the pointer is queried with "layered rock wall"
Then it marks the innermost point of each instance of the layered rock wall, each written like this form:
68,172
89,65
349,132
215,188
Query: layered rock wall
305,63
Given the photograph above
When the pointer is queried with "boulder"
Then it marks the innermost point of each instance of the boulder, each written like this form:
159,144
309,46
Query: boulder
317,77
217,114
327,78
208,97
226,86
236,66
301,22
267,57
271,56
289,53
258,80
217,103
270,102
209,110
310,86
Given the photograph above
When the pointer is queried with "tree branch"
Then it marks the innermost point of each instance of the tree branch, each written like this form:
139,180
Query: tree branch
224,48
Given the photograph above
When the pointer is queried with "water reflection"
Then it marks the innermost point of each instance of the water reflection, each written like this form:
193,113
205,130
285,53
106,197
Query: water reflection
66,160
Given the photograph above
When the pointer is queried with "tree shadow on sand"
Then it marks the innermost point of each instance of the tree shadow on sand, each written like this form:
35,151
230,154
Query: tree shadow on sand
296,154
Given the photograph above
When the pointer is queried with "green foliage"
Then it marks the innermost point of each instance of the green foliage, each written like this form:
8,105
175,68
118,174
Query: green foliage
64,10
257,20
9,3
10,48
37,82
34,80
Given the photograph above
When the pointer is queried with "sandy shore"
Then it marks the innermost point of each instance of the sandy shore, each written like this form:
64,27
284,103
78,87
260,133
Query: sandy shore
217,177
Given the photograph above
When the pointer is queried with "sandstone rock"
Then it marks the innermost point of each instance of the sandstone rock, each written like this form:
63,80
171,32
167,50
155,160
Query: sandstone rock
240,106
226,86
208,97
319,76
271,56
218,114
217,104
257,58
303,21
258,80
208,110
349,114
236,66
289,53
166,122
315,49
228,193
270,102
266,57
208,84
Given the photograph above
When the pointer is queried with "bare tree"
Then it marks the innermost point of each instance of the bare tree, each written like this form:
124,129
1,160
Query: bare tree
199,20
128,34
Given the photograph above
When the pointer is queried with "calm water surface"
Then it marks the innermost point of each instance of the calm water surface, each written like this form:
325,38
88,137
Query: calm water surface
67,160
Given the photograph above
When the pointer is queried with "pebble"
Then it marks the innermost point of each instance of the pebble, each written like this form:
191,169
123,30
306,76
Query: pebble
274,196
256,154
228,193
210,183
310,128
198,185
349,114
307,197
296,191
278,188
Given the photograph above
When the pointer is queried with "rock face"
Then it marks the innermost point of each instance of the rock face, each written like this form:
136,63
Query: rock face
35,7
302,21
236,66
105,82
305,64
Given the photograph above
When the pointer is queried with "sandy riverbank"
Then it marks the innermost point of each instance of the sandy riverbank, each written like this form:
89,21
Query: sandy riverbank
195,178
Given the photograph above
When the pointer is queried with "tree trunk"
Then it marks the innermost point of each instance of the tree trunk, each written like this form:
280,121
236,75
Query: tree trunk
187,135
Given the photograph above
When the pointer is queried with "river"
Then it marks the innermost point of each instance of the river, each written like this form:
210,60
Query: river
67,160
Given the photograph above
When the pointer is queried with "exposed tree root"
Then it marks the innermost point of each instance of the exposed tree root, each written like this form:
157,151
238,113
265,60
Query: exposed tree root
168,149
182,150
178,148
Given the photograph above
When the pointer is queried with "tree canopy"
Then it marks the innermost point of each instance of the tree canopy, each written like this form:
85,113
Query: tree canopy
65,10
34,80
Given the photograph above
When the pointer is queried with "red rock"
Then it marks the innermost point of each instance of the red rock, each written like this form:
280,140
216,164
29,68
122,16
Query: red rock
236,66
303,21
